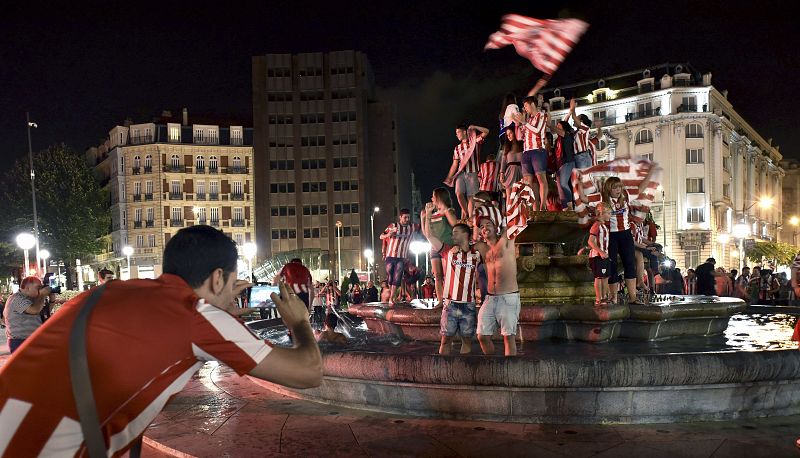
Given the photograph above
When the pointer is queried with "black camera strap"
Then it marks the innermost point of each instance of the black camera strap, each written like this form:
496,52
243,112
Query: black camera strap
82,383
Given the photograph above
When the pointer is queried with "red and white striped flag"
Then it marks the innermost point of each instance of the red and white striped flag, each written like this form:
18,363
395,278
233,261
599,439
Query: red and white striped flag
632,171
519,199
544,42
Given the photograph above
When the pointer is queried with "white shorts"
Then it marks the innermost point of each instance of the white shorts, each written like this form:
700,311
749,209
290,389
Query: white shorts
467,184
502,310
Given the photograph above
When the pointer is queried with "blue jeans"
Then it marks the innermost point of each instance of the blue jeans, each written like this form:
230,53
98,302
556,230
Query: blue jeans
564,185
13,344
583,160
394,270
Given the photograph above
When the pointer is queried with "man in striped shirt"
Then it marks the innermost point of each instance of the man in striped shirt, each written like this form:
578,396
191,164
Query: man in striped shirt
463,172
585,144
534,154
487,175
145,340
397,237
460,262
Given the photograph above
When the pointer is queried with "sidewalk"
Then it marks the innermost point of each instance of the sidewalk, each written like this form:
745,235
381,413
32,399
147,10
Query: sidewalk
221,414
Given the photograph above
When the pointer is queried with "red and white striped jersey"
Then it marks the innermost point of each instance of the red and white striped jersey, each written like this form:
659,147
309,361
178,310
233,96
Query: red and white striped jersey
145,340
399,239
297,276
599,230
487,176
584,141
460,272
620,215
534,130
463,149
637,232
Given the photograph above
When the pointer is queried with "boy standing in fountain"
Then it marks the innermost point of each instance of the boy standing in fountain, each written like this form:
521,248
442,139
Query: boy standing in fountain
397,237
502,304
459,261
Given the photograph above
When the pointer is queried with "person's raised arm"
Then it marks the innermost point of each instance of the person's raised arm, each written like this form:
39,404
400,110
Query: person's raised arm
450,214
484,132
301,365
38,303
575,119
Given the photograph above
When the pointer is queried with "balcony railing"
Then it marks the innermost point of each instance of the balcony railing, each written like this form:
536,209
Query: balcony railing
681,82
137,197
136,170
213,170
237,223
199,170
237,169
202,221
175,168
139,139
148,169
176,223
150,223
237,196
215,223
148,196
200,196
687,108
137,224
641,114
175,195
213,196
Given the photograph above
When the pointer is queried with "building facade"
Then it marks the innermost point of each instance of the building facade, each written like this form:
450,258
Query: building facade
169,174
717,168
325,153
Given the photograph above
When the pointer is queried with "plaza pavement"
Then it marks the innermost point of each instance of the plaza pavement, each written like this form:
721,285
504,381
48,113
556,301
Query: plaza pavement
219,414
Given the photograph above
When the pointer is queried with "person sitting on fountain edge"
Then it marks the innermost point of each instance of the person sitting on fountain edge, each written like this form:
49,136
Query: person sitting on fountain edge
145,340
329,333
460,262
502,304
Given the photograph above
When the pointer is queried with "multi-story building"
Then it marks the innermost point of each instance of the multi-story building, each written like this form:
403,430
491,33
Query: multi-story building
791,201
325,152
168,174
717,168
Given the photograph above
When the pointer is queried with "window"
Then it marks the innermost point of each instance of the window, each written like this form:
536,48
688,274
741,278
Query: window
174,134
688,104
694,185
215,214
139,241
644,136
175,187
177,213
694,156
136,162
695,215
726,190
237,162
275,235
213,188
726,163
694,130
238,214
201,189
122,164
124,219
198,135
137,188
200,214
200,163
175,162
137,215
238,238
148,188
644,109
148,163
213,163
692,257
151,240
150,214
237,188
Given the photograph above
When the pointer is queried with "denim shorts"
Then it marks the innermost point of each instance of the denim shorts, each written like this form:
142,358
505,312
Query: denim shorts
502,310
467,183
534,161
583,160
458,318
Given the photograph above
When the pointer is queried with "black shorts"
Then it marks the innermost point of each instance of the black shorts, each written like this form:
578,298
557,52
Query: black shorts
600,267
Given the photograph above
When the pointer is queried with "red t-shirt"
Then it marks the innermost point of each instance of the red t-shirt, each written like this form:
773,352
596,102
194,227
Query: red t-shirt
428,291
145,340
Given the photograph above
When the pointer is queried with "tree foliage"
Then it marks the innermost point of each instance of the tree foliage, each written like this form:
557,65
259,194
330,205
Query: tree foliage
782,253
71,206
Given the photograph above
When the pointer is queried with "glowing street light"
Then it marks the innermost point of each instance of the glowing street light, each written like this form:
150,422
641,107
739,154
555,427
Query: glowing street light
45,255
372,229
418,247
794,221
339,250
127,250
26,241
370,257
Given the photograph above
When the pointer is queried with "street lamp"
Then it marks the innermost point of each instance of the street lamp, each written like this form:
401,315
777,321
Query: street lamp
663,216
26,241
370,256
249,250
417,247
45,255
339,250
127,250
372,240
33,189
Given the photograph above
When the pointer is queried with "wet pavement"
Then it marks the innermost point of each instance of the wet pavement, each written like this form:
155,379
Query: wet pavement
221,414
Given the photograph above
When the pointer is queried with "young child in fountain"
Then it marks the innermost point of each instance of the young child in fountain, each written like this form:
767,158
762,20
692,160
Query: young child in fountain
329,334
598,257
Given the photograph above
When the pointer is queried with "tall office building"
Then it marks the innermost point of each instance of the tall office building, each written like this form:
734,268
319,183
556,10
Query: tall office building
168,174
717,168
325,155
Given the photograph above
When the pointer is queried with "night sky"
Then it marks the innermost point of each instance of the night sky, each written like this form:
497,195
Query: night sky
81,69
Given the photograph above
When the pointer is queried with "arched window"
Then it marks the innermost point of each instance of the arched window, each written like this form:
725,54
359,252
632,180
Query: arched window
644,136
237,162
148,162
694,130
200,162
213,163
175,161
136,162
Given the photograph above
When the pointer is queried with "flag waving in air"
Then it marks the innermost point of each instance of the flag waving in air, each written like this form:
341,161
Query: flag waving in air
544,42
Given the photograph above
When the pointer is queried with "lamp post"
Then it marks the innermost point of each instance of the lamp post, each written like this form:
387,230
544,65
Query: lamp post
339,251
372,239
663,216
794,221
26,241
249,250
741,231
416,248
127,250
45,255
33,188
369,255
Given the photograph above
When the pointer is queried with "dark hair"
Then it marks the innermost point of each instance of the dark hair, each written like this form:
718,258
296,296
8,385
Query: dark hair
565,125
443,195
530,99
27,281
483,195
405,211
104,272
297,260
463,227
490,157
193,253
462,126
585,120
331,320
